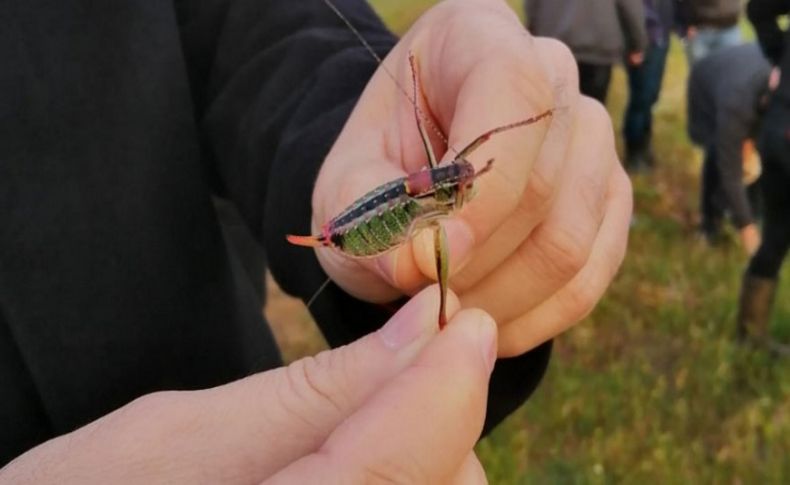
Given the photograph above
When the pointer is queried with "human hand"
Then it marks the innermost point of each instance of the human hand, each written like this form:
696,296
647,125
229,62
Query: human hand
548,229
774,78
750,238
636,58
691,32
400,405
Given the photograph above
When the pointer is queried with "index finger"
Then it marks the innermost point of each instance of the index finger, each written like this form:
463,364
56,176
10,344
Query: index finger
495,80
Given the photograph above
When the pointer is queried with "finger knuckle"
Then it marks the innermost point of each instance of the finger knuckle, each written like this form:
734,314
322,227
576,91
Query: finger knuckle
580,300
307,385
594,120
539,192
563,252
564,61
404,470
591,191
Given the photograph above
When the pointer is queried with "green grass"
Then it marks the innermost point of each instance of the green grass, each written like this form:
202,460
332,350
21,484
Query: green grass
650,388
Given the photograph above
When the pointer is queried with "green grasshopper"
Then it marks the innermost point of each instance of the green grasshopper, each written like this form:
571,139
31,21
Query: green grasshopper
390,215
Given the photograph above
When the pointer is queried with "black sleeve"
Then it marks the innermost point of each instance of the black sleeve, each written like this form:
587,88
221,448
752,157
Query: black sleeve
764,15
733,127
681,16
274,82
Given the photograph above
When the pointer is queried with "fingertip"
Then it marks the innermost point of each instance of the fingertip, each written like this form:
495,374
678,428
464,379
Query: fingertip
417,318
480,328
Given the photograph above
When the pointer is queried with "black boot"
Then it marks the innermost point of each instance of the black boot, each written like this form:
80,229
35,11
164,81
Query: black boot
637,157
754,313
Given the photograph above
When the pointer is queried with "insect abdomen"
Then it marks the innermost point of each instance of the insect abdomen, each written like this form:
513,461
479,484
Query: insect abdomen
380,232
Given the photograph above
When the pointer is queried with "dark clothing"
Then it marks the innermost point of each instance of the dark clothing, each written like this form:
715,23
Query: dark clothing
708,13
764,14
118,123
598,32
594,80
713,202
724,93
644,81
774,146
659,20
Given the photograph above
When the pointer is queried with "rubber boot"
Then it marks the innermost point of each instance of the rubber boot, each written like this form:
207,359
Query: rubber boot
754,313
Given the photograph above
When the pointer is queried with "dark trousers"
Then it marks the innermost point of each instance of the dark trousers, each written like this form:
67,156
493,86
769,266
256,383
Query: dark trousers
713,202
644,84
711,198
774,146
594,80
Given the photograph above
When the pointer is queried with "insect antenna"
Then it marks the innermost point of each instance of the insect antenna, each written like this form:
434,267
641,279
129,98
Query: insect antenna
413,100
318,291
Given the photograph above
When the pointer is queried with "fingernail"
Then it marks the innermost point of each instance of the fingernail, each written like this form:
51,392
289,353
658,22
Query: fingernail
488,340
407,325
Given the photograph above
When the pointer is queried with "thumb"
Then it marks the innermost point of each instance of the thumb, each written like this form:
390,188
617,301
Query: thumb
421,426
271,419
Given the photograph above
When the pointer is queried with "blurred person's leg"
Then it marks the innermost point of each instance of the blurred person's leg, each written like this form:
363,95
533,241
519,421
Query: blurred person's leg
594,80
645,85
760,280
711,211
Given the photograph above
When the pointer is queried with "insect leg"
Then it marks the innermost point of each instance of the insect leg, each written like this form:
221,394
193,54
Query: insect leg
442,254
485,136
426,142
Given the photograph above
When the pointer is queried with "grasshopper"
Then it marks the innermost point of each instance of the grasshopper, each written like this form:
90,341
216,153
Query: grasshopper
390,215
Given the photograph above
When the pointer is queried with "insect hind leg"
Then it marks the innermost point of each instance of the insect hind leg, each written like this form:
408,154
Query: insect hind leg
426,141
442,254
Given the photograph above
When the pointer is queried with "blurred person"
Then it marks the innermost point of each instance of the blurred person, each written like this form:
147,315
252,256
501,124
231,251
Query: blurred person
760,280
644,82
119,126
708,25
600,33
726,95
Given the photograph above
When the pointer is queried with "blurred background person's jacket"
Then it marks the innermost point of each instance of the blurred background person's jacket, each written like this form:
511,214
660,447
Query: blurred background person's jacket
709,13
597,31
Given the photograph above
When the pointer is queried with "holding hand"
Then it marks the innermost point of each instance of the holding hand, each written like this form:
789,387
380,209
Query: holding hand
401,405
546,234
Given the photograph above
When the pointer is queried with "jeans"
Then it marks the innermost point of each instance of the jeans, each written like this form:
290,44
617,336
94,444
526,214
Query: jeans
709,39
644,83
774,145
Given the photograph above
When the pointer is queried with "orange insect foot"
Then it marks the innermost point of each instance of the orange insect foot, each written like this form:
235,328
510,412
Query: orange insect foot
307,241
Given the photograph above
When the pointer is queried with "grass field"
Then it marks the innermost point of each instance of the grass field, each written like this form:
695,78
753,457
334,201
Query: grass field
650,387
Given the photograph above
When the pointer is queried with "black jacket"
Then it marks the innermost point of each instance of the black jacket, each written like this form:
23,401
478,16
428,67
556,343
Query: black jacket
764,14
724,94
118,123
708,13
